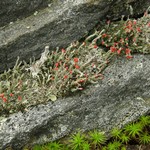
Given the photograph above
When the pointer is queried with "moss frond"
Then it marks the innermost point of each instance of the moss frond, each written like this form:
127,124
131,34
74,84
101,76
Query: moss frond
144,120
144,138
116,133
114,145
134,129
97,138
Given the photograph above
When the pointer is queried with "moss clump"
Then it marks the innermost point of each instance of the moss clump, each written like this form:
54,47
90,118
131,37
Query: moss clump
136,132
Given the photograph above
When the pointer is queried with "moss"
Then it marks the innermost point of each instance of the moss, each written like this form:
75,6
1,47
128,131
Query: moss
97,140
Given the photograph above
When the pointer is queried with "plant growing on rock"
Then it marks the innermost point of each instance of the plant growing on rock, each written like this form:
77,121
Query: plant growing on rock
124,138
134,129
145,120
60,73
64,71
77,141
114,145
86,146
144,138
128,36
116,133
95,140
53,146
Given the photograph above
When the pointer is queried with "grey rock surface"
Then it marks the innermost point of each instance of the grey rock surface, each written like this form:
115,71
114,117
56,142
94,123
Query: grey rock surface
10,10
122,96
135,7
58,25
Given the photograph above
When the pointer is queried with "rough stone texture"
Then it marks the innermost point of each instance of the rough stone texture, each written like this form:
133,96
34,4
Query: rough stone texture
17,9
138,147
124,7
58,25
122,96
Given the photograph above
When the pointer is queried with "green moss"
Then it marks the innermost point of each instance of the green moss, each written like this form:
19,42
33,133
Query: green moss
93,140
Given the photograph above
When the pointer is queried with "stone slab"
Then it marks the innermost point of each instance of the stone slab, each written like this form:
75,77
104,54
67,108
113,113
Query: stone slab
11,10
57,26
121,97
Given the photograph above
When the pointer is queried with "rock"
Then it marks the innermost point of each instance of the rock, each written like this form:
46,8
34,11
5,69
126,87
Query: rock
124,7
137,147
10,10
121,97
56,26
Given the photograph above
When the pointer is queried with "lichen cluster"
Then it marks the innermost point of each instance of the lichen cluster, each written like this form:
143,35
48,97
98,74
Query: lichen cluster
62,72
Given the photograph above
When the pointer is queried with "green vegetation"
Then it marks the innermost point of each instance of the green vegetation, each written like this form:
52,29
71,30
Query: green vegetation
62,72
116,133
77,141
134,129
136,132
97,138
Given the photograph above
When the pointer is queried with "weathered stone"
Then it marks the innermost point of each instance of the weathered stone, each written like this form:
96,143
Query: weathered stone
10,10
120,7
58,25
122,96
